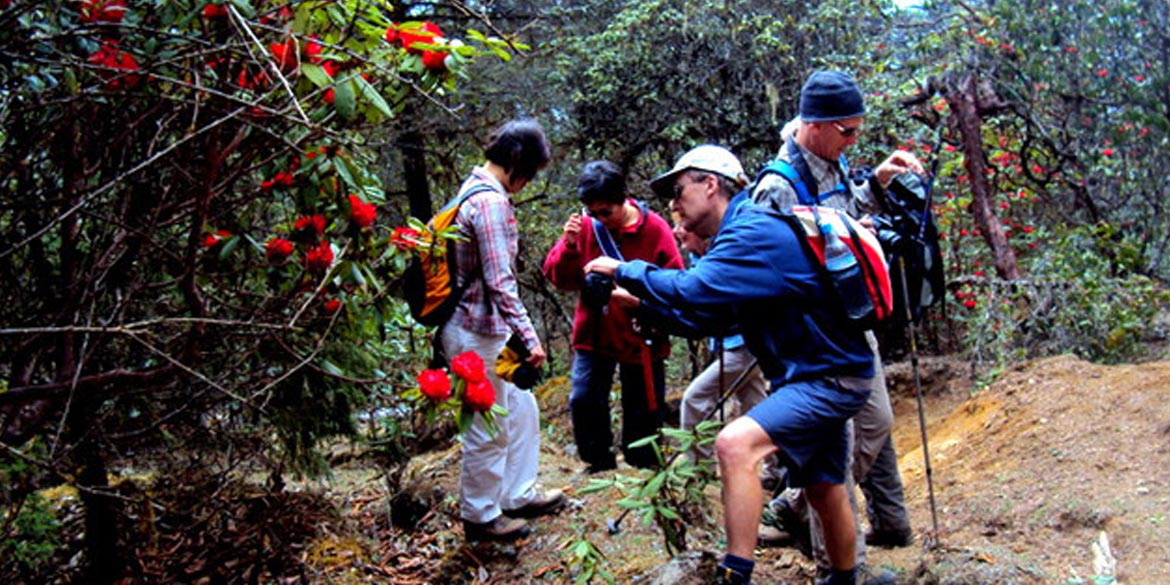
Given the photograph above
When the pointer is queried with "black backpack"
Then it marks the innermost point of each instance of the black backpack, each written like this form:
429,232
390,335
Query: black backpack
909,238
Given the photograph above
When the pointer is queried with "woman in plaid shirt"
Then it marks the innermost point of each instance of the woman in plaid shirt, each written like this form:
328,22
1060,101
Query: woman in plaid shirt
498,479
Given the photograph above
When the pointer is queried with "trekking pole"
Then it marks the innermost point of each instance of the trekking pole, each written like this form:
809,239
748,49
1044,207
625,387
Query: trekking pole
918,397
614,526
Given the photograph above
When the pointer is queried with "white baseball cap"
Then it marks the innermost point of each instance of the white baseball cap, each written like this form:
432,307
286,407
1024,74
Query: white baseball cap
707,157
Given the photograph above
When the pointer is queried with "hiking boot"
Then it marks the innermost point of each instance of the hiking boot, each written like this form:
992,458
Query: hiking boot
729,576
501,528
889,538
603,466
770,536
547,502
787,520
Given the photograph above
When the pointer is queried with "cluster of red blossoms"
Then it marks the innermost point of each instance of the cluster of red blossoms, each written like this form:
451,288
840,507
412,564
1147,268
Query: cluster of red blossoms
405,238
478,393
118,67
426,33
362,214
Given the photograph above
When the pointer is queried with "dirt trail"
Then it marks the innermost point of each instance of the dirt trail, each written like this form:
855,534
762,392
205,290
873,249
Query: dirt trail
1028,474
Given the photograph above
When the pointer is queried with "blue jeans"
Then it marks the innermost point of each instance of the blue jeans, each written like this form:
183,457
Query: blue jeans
592,378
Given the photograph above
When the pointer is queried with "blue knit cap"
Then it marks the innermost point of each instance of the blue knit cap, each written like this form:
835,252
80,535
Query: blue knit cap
830,95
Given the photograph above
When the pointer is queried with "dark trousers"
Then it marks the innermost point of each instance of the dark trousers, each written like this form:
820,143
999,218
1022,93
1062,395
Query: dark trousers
592,379
885,501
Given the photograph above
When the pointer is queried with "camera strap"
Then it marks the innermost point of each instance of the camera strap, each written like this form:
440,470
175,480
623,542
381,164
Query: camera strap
608,247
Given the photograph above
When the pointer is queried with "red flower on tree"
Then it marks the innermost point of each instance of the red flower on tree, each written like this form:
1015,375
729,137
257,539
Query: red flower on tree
316,223
426,33
213,11
469,366
435,384
110,57
404,238
1107,152
435,60
331,306
361,213
285,54
210,240
319,257
277,249
479,396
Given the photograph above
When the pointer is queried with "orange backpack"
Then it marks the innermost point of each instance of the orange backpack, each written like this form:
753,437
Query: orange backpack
430,280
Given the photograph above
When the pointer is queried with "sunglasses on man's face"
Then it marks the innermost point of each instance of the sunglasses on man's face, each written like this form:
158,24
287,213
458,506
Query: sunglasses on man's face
849,132
599,213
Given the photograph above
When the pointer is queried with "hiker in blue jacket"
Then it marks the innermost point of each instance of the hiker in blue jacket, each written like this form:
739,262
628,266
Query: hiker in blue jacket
757,275
832,112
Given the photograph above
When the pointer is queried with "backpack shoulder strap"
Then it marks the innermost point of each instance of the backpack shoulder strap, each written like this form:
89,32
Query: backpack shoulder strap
789,172
608,247
464,196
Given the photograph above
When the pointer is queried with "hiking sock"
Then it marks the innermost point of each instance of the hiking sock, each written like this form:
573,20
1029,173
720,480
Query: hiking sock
739,565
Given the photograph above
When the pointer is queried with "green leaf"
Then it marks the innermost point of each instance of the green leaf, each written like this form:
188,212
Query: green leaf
370,94
343,101
316,74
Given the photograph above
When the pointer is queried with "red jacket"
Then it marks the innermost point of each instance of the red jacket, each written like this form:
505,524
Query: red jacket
611,334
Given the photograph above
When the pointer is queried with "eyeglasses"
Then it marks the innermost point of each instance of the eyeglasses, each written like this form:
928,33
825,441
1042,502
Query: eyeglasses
602,213
847,132
679,187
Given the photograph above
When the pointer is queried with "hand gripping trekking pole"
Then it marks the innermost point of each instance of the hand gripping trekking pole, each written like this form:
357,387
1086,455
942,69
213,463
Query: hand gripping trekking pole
614,526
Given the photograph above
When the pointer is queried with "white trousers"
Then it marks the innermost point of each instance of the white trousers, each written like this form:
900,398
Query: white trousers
498,472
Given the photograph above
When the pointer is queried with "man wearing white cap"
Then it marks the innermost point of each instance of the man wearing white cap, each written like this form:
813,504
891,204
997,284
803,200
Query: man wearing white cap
832,112
758,276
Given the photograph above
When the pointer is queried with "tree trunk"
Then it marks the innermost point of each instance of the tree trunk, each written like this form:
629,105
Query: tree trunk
101,532
963,100
414,167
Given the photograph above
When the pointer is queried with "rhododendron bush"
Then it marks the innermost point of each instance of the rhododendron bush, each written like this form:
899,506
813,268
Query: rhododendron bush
196,237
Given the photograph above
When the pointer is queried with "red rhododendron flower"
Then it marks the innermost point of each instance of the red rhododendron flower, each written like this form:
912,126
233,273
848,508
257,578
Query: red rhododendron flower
110,57
319,257
435,60
1107,152
103,10
210,240
361,213
285,54
425,33
469,366
480,396
313,50
404,238
278,249
212,11
434,384
969,303
311,222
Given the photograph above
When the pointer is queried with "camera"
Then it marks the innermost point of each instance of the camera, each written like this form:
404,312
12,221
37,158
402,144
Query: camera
512,365
597,290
